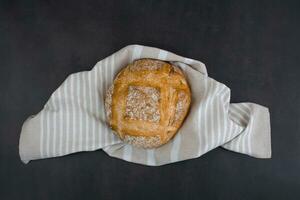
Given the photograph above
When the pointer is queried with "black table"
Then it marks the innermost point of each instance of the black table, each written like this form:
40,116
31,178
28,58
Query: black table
251,46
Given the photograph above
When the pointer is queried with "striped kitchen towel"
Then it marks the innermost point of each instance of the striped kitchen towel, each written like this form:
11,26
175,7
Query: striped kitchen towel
73,119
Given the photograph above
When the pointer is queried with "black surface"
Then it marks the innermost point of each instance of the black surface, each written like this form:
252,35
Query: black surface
252,46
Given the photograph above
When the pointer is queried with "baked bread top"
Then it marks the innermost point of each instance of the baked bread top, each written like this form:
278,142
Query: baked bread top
148,102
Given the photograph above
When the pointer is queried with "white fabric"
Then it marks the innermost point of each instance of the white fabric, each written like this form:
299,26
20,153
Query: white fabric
73,119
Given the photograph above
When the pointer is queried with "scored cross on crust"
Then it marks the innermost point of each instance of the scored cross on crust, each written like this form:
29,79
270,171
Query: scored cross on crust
148,102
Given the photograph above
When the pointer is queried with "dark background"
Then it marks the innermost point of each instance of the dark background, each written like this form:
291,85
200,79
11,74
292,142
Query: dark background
251,46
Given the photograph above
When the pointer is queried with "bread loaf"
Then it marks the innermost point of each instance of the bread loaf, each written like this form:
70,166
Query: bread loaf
148,102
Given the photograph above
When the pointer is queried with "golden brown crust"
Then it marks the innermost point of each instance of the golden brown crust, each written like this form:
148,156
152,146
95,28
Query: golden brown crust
148,102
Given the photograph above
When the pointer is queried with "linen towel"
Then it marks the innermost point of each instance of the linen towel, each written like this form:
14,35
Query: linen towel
73,119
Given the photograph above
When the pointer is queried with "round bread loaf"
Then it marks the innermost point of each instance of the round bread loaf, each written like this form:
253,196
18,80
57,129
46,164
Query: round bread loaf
148,102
